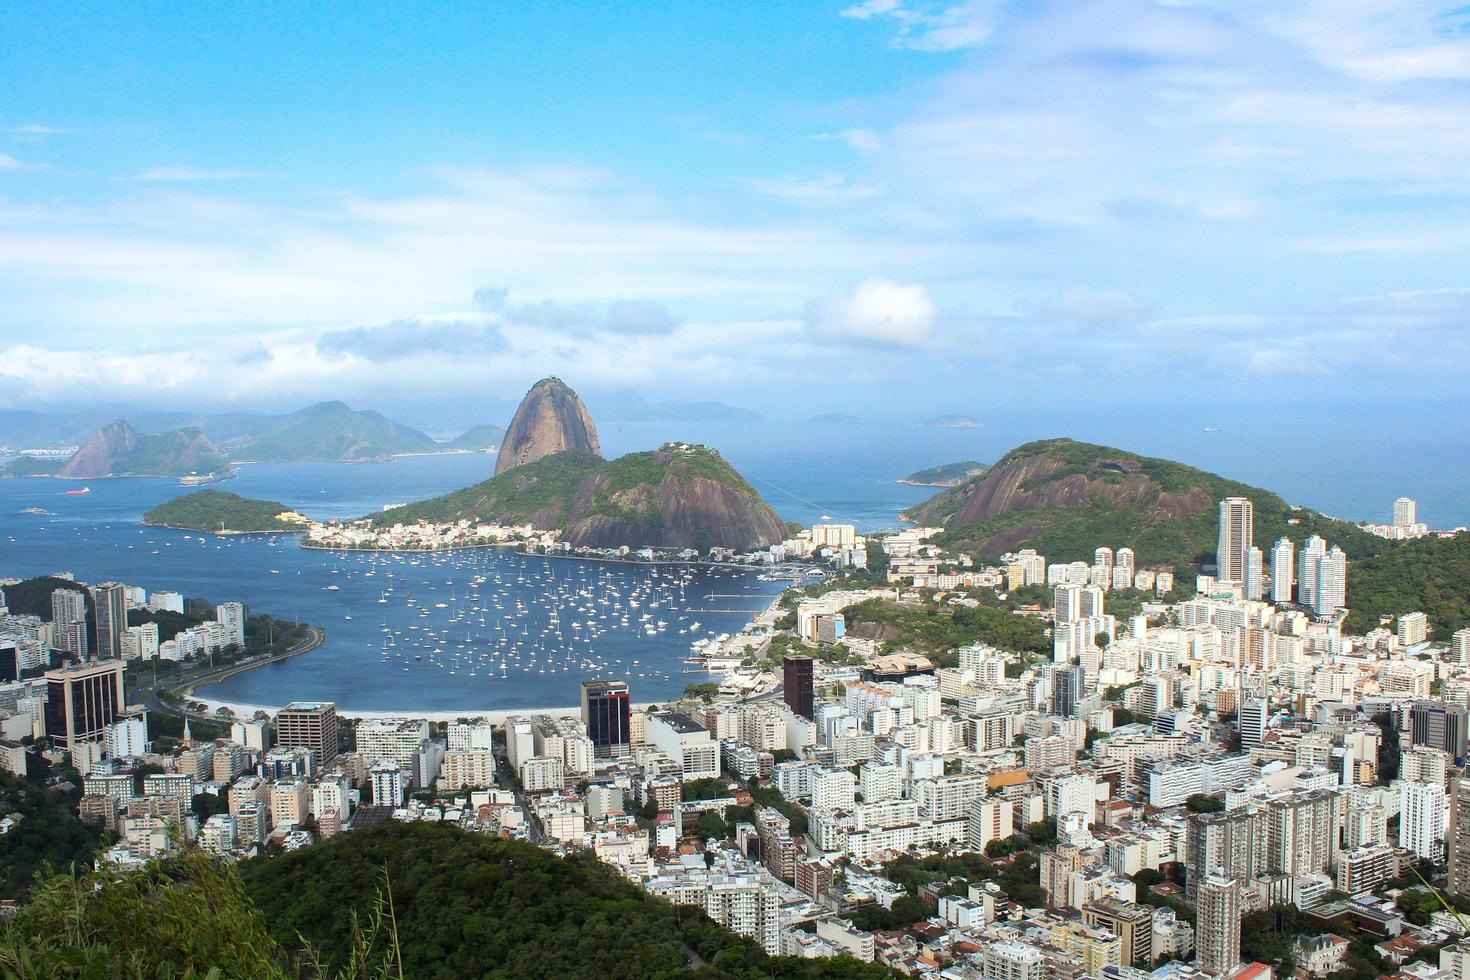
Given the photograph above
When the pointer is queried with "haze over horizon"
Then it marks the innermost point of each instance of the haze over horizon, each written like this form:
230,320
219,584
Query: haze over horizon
915,207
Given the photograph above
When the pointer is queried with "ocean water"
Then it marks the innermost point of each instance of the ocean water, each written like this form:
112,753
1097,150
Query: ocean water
1352,468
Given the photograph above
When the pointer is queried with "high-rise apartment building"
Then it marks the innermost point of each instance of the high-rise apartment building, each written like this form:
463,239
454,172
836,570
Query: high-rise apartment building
310,725
606,710
1421,819
1322,582
69,622
1232,843
82,701
1217,927
1251,718
1405,512
110,601
1133,924
1255,573
232,616
1458,839
1066,690
798,686
1237,534
1283,570
1439,726
1460,647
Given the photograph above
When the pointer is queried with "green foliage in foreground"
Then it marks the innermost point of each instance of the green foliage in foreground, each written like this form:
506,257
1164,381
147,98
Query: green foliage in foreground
220,510
397,900
1431,575
47,835
468,905
939,630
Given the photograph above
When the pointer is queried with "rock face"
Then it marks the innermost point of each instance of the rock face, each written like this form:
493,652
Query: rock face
118,450
551,419
692,499
1034,483
99,454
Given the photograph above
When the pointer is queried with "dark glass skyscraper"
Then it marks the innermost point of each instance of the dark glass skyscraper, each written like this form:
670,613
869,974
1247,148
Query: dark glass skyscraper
799,690
607,709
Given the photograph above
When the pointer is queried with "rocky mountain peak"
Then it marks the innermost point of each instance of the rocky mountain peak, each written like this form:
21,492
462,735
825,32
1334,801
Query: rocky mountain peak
550,419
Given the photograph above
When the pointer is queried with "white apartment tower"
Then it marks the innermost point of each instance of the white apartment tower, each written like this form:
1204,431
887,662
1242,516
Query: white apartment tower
1405,512
1283,570
1255,573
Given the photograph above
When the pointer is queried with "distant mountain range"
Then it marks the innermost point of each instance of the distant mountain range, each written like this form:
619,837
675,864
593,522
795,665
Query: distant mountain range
174,444
118,450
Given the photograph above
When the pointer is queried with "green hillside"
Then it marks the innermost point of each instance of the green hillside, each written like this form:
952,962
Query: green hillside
673,497
47,832
1431,575
536,493
177,453
219,510
1065,498
332,431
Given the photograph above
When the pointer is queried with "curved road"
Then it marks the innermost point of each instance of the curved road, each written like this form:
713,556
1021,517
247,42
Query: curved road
184,686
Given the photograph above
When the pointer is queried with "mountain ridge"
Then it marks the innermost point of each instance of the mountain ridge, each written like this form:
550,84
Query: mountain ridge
1065,498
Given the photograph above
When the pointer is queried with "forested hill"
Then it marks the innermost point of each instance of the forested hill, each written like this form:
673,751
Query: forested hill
468,905
222,511
678,496
1065,498
1431,575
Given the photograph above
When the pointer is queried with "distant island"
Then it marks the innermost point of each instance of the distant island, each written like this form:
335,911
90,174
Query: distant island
947,475
481,438
953,422
221,512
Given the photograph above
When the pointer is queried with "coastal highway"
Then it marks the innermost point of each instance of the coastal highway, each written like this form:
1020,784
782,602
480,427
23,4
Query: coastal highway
150,693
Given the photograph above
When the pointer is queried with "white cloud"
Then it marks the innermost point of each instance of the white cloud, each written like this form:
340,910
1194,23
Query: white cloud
929,26
10,164
877,312
814,192
184,174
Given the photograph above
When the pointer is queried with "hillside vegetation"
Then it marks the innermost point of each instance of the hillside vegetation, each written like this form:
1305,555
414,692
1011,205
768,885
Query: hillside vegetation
47,834
220,510
468,905
668,498
1431,575
946,474
1065,498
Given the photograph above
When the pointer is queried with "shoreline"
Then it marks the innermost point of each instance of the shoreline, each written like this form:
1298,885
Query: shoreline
244,711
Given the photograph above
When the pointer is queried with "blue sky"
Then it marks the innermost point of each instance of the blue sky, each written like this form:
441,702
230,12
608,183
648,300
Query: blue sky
868,204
